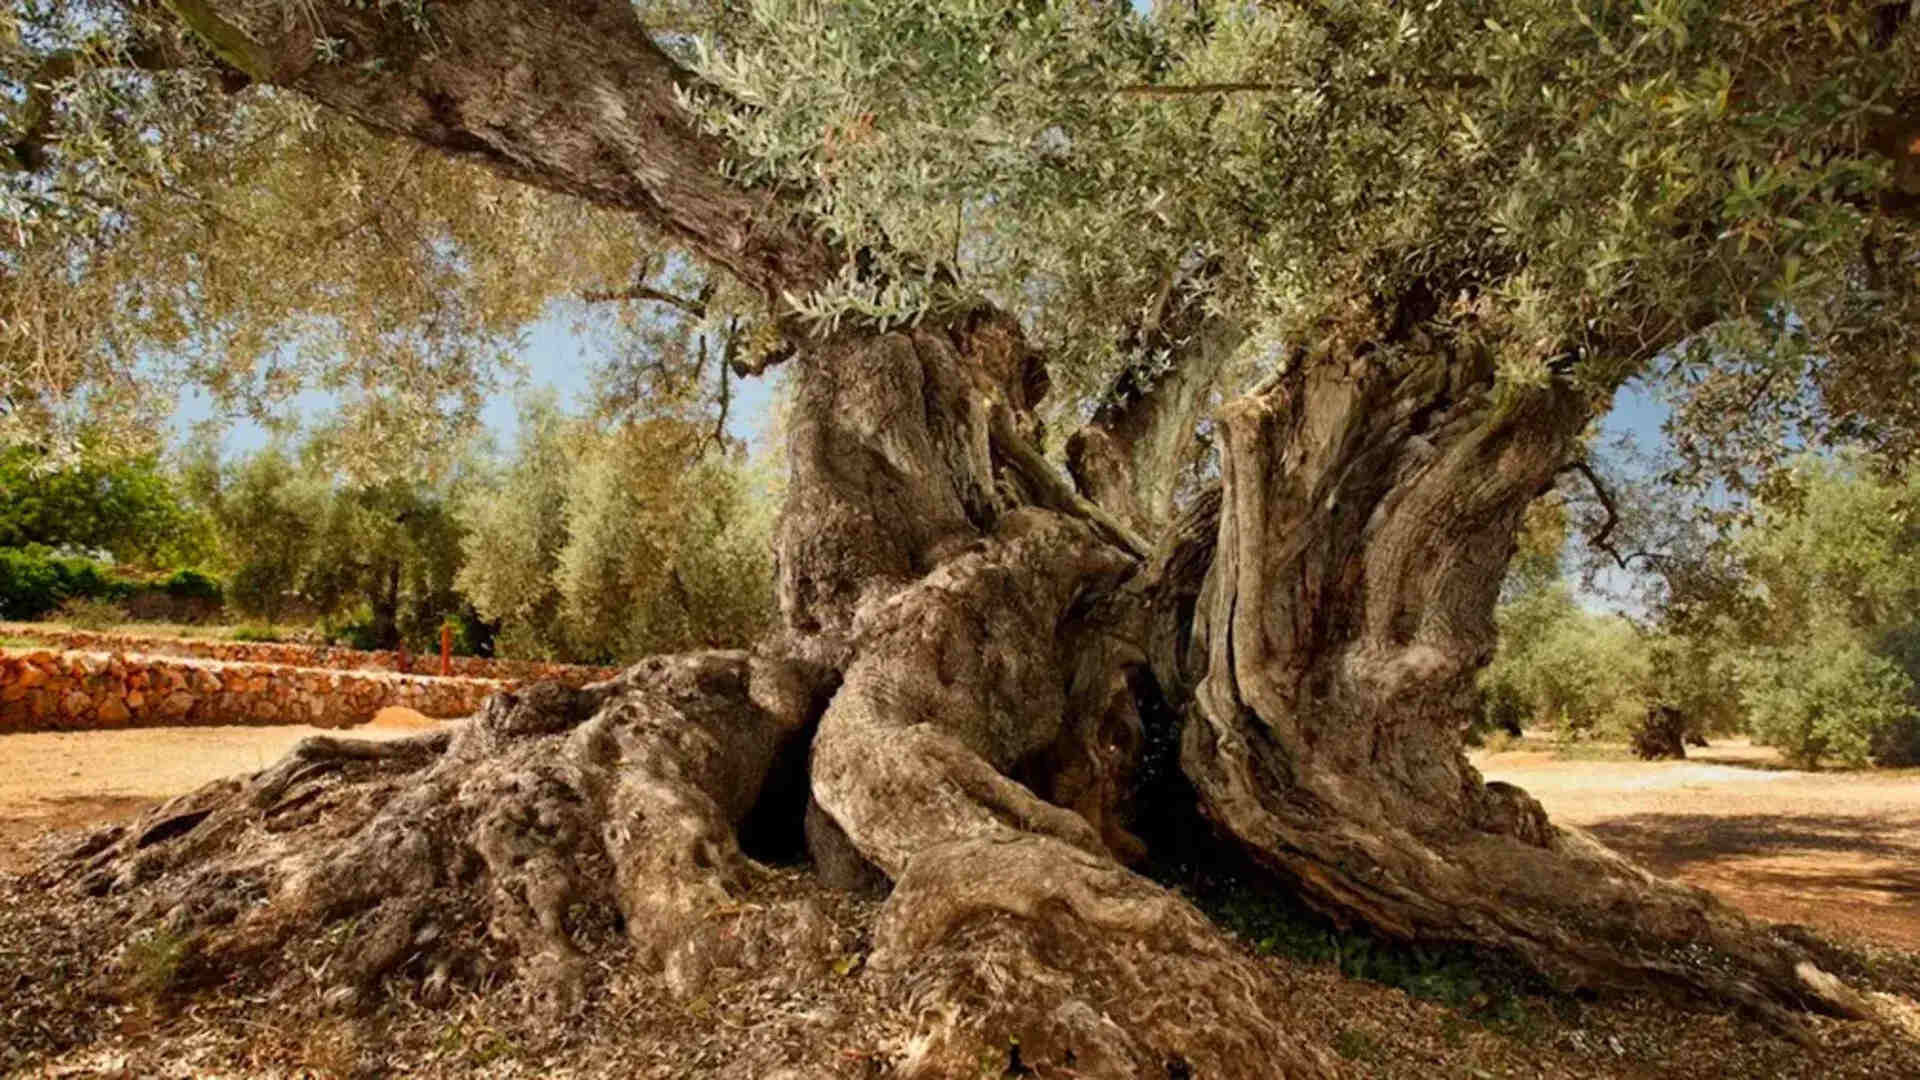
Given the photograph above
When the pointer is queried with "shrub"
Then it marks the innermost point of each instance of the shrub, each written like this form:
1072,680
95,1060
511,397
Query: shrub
34,580
91,613
257,632
193,585
30,585
356,633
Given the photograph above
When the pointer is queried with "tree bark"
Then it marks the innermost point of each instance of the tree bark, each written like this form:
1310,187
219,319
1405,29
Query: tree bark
964,646
386,604
572,97
544,820
1368,509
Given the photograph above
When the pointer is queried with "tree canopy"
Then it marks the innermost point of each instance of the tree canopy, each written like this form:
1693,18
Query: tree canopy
173,226
128,508
1727,186
1794,621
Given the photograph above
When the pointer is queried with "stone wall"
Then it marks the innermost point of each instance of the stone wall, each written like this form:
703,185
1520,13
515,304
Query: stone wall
41,690
297,655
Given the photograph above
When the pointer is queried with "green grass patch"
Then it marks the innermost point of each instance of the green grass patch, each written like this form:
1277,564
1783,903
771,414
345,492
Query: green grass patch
156,960
1495,989
1356,1045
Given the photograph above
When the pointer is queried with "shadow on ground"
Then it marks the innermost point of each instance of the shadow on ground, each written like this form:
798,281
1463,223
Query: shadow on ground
1677,840
1853,874
1740,758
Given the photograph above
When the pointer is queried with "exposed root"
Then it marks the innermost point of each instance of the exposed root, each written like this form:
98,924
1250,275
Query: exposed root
1011,922
1079,965
553,821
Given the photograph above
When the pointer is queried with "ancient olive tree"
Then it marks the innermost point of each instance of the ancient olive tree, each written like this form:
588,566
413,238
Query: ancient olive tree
1313,298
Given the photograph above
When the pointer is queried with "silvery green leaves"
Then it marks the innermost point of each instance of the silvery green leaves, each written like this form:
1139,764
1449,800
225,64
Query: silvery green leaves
1598,181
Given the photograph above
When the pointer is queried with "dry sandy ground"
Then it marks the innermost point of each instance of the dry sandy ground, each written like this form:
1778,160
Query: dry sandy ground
1837,850
63,779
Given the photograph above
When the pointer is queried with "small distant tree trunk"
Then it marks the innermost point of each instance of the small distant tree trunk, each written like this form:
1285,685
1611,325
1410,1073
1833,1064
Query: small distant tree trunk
1662,734
386,606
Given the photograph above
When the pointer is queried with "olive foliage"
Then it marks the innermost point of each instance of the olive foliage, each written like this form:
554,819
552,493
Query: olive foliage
1822,626
1579,187
608,541
1582,185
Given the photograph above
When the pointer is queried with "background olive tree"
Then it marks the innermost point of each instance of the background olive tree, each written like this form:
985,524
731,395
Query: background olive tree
606,541
1791,616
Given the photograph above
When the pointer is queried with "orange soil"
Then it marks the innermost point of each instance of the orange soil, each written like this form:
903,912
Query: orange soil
66,779
1835,850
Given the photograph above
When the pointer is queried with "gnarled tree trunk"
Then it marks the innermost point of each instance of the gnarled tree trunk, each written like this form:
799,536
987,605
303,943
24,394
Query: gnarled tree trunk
1368,510
971,656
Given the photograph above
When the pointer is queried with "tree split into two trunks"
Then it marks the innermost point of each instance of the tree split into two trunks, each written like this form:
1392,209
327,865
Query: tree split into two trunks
976,629
961,688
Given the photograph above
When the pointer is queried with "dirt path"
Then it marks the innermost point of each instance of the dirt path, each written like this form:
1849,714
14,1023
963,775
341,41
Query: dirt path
65,779
1838,850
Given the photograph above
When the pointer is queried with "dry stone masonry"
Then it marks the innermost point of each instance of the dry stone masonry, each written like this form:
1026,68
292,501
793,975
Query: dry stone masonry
42,690
300,655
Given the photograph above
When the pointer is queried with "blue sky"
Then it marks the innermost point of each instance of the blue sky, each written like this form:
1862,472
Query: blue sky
1636,413
555,356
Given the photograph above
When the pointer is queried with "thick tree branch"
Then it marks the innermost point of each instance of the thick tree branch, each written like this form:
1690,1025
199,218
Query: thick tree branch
575,99
1056,494
227,41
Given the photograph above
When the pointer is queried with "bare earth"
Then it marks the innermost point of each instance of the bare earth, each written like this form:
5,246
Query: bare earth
1834,850
66,779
